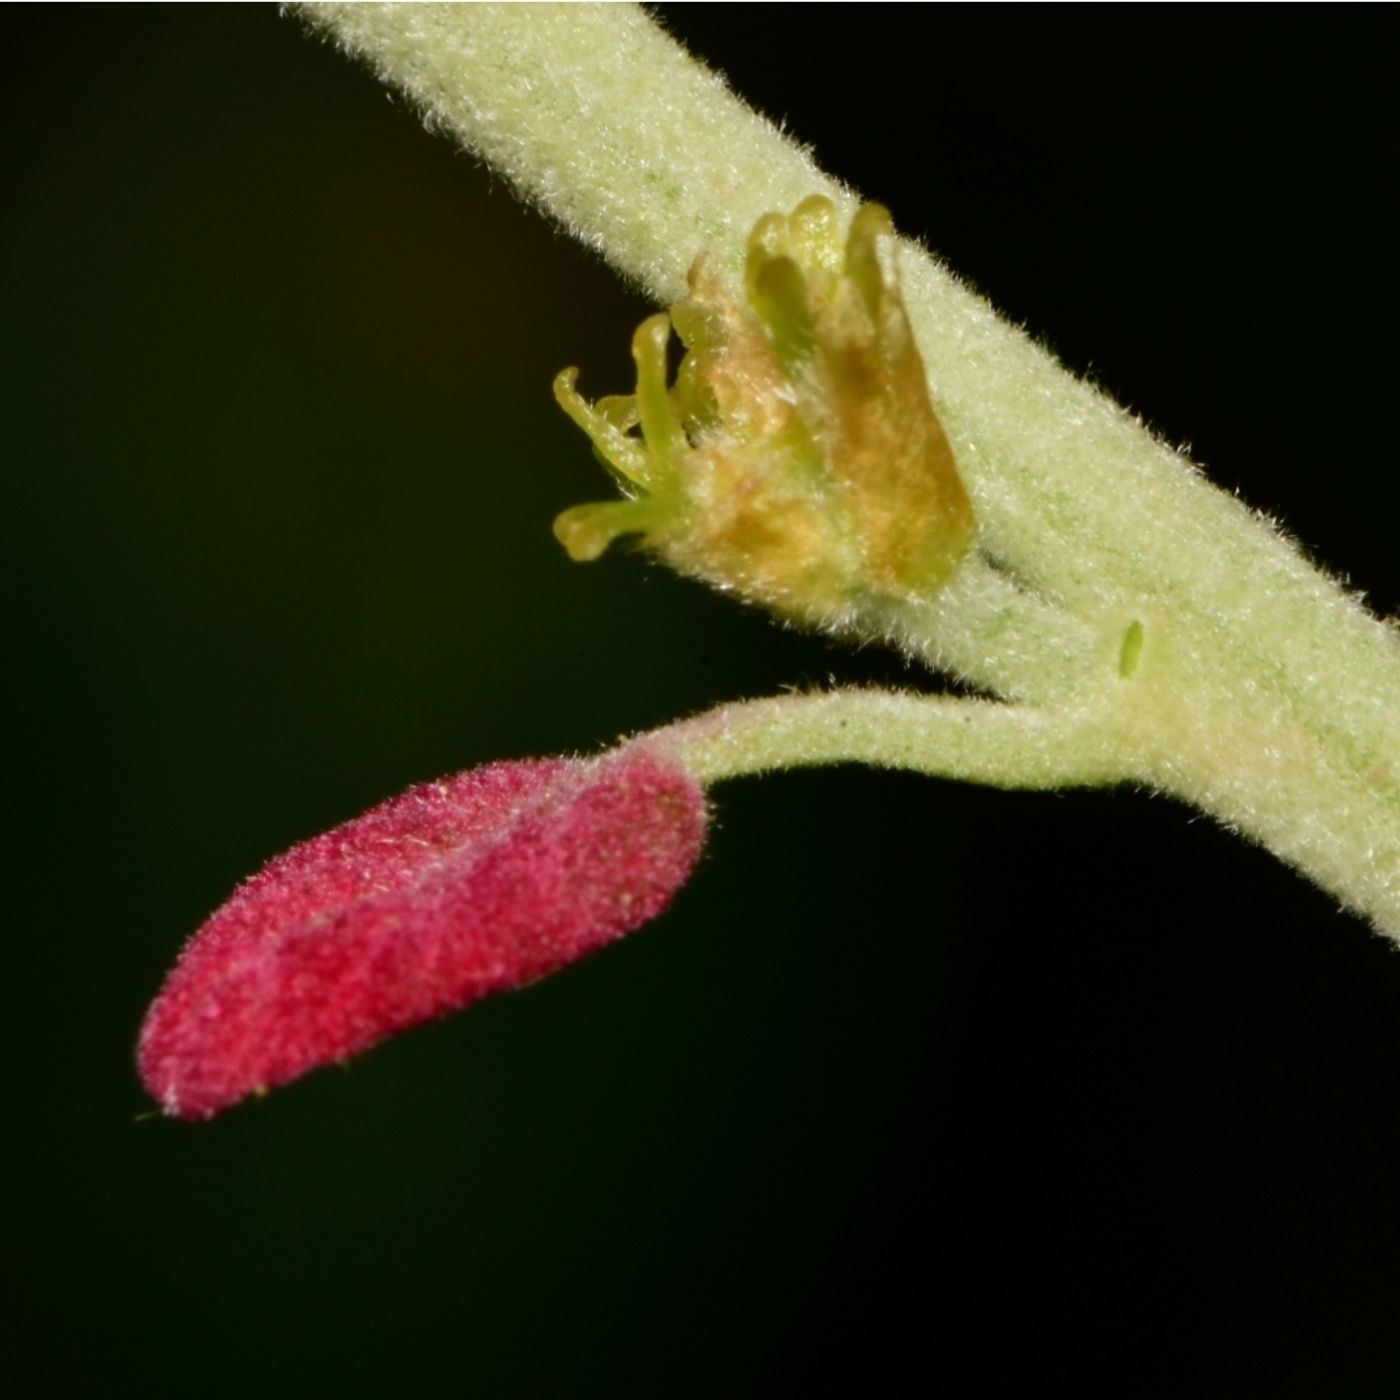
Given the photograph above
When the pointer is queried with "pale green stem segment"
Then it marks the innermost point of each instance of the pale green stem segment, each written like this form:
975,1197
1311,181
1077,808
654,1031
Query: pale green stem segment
1253,686
980,741
1153,726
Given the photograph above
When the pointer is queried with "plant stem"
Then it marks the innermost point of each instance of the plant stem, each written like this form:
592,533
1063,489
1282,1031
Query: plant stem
1263,693
980,741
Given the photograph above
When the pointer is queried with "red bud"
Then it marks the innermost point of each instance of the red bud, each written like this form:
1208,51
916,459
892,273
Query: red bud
458,888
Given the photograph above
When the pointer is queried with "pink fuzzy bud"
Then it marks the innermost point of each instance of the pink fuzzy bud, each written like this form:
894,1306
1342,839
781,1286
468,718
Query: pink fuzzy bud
458,888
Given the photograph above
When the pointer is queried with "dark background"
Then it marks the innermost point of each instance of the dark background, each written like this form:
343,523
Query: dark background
998,1091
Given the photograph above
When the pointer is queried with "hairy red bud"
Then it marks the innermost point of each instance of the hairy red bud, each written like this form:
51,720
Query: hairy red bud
455,889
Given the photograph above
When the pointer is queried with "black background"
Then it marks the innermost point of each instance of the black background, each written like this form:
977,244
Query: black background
917,1087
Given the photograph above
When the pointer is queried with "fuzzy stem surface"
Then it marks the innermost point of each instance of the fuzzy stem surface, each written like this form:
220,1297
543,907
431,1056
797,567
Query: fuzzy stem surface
1263,693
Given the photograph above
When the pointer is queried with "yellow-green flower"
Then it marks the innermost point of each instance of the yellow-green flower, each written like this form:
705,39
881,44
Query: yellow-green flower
797,459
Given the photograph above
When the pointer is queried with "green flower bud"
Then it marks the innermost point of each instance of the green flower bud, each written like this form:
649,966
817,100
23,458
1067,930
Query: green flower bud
797,459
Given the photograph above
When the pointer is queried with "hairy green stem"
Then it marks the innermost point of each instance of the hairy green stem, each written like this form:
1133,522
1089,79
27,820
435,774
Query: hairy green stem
981,741
1113,580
